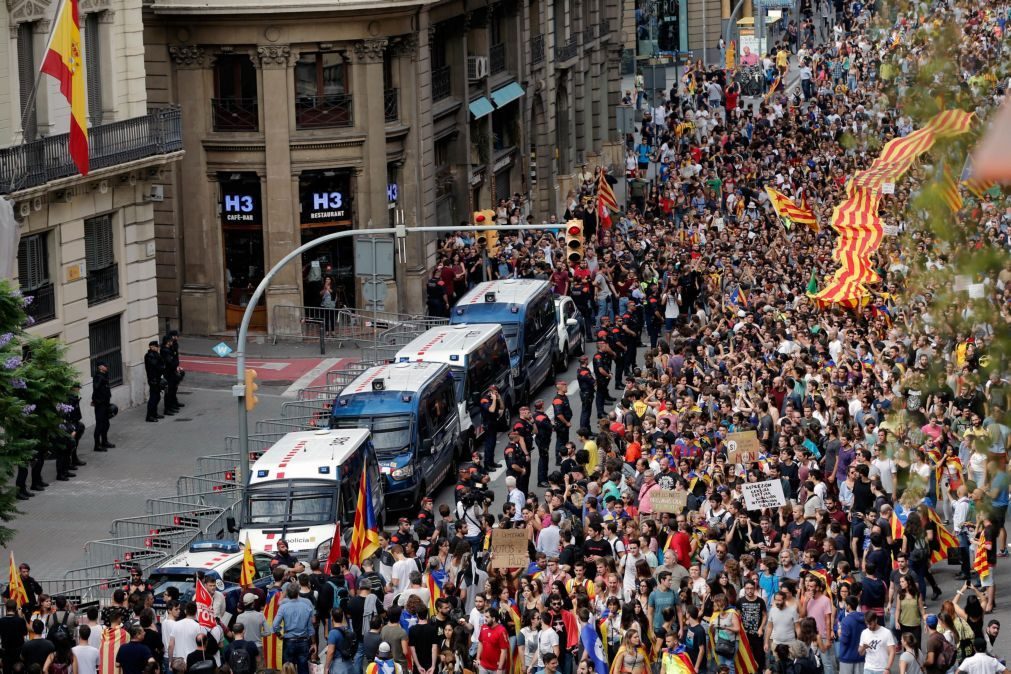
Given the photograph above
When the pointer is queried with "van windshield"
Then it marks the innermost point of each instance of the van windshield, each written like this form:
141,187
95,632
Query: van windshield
296,505
390,434
511,332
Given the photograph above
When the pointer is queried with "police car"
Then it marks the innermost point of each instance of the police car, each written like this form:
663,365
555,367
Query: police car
219,559
571,334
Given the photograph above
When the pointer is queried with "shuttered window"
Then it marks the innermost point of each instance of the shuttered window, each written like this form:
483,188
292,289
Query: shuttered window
26,79
105,341
93,66
33,262
98,245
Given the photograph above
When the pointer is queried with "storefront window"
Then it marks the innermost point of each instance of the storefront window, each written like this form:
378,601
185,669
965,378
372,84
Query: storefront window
325,201
242,235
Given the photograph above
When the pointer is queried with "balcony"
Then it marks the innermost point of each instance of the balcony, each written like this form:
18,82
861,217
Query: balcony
103,284
589,34
604,29
537,50
43,306
497,58
390,97
323,112
442,83
236,114
41,161
567,51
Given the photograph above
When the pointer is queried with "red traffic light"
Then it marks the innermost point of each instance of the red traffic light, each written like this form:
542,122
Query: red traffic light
575,230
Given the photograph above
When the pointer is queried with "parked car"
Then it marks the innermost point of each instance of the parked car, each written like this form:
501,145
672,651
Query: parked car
571,340
219,559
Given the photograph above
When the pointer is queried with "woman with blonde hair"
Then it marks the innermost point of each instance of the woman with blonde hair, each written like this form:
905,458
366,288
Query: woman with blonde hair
631,657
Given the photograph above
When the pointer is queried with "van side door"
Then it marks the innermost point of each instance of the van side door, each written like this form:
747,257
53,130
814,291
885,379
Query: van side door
442,421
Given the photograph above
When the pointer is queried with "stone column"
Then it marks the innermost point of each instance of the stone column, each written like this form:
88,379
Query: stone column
202,297
281,234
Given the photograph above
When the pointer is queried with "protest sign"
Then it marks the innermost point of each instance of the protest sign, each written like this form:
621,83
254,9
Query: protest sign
742,447
668,500
758,495
510,548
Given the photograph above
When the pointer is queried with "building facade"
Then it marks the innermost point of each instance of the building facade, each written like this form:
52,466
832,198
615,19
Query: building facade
322,117
87,244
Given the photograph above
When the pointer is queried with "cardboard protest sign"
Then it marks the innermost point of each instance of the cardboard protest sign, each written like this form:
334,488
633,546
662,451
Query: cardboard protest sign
668,500
743,447
759,495
510,548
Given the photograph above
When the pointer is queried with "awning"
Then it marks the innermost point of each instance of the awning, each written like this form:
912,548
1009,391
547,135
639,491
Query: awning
507,94
481,107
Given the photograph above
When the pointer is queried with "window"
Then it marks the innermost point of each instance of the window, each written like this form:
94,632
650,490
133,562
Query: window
235,105
320,74
33,276
93,66
439,406
100,255
104,338
26,79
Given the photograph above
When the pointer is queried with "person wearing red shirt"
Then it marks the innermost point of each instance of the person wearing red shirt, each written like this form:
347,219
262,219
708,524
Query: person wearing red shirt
681,544
493,644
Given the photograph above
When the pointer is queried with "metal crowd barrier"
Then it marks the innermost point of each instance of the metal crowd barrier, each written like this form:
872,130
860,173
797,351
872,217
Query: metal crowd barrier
363,329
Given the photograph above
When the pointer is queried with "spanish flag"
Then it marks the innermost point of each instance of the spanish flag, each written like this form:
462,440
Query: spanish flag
65,62
16,589
247,574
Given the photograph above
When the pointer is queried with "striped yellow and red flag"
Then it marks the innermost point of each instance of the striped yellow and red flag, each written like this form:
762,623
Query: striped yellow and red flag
247,574
15,588
65,62
787,209
980,564
272,642
113,639
365,534
605,193
949,191
977,187
945,539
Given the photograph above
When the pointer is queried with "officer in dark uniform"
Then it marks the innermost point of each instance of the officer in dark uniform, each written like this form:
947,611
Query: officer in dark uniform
435,292
170,360
74,420
602,373
563,415
517,459
654,319
524,425
154,368
101,400
542,435
584,375
630,331
616,340
491,409
180,373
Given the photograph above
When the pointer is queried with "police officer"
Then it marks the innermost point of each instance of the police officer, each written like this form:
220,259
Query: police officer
170,360
630,330
154,368
563,415
524,425
492,407
101,400
584,376
616,341
602,373
542,435
654,319
74,420
517,459
435,293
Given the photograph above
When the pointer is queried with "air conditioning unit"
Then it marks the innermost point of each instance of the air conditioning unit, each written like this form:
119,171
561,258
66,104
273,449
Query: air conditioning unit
477,67
156,193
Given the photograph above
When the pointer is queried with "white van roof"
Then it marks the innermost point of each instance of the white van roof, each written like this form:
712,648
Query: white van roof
407,377
304,455
438,344
506,291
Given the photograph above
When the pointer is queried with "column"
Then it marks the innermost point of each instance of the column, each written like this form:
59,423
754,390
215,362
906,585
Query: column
281,233
202,298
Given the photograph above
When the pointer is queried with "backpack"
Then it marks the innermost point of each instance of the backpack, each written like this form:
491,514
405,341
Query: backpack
921,551
348,645
965,636
340,596
240,662
947,658
60,630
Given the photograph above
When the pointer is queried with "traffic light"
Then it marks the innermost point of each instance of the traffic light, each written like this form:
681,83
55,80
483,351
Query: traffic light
574,240
488,239
251,387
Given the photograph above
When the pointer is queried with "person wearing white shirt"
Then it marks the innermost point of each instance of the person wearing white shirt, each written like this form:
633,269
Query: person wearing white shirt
980,662
877,645
86,654
550,537
887,470
627,567
476,620
400,577
516,497
184,634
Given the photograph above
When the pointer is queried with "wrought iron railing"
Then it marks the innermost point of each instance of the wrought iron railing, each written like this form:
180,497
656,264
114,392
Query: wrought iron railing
537,50
589,33
442,84
103,284
236,114
43,306
390,101
497,58
567,50
318,112
41,161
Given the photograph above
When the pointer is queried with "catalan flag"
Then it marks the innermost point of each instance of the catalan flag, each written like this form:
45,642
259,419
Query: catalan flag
788,210
64,61
108,648
897,526
677,662
949,191
744,660
980,564
16,589
365,535
248,572
945,539
272,642
738,298
434,583
605,193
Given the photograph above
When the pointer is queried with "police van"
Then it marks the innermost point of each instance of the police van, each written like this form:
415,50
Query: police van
526,311
478,359
305,483
411,411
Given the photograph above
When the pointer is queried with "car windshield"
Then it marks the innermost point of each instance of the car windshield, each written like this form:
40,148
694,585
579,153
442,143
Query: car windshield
299,505
163,581
390,435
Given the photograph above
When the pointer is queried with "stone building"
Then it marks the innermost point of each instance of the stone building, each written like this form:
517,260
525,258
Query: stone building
313,116
87,244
